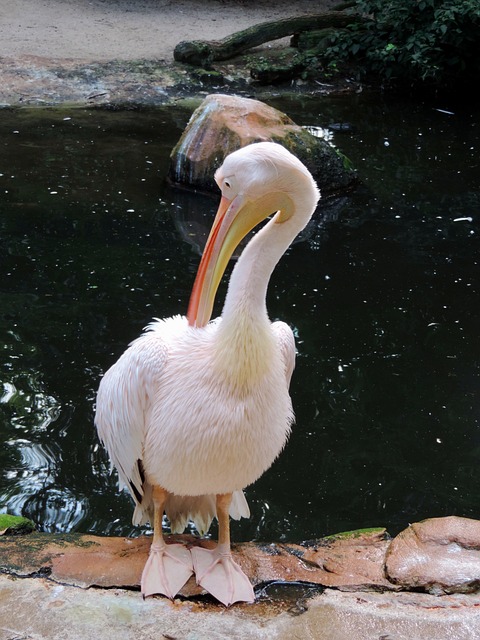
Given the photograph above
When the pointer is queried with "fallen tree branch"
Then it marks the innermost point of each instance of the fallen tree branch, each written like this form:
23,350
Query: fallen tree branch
202,52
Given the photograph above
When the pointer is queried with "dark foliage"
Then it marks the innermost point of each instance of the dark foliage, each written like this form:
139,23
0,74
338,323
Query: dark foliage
432,43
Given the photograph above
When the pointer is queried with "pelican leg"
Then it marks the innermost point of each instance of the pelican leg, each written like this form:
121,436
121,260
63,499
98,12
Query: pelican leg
215,570
169,566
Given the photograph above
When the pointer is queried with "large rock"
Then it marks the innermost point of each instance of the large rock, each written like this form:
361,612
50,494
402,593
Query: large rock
353,561
48,603
222,124
440,555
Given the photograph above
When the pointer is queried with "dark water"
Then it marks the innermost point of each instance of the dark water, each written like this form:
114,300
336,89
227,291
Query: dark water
384,295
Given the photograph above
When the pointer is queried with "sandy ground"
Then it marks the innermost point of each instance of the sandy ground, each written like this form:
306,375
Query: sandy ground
104,30
85,52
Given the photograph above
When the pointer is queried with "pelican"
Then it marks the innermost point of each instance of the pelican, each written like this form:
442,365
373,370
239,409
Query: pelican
196,410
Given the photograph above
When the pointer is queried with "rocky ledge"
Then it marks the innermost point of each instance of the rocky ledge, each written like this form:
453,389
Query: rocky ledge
422,584
37,81
437,556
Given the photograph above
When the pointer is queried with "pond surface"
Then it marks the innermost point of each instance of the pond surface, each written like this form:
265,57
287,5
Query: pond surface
383,292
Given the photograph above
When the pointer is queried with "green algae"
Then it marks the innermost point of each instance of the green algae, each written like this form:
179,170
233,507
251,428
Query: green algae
15,525
357,533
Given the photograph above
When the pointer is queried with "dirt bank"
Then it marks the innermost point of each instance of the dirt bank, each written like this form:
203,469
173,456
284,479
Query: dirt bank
101,30
121,51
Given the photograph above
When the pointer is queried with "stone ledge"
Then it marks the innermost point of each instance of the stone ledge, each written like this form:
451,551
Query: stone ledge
441,555
86,561
34,609
40,595
39,81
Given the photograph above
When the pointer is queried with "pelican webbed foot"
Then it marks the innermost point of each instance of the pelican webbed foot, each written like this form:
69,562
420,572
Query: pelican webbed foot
168,568
221,576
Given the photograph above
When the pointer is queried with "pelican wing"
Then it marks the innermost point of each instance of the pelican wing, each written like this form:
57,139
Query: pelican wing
123,399
286,343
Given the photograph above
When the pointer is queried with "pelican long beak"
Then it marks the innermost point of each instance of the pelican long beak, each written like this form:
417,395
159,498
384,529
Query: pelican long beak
234,219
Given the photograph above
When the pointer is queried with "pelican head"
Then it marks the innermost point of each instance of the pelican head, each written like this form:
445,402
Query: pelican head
256,181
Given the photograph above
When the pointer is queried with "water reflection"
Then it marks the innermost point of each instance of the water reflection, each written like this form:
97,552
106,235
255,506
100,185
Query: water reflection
382,290
35,491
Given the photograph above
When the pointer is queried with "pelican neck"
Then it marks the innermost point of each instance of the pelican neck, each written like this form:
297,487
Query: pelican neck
247,289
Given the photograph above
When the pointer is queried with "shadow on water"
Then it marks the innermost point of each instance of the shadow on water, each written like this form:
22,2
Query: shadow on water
382,290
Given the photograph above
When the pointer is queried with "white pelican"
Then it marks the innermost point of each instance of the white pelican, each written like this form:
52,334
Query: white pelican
194,411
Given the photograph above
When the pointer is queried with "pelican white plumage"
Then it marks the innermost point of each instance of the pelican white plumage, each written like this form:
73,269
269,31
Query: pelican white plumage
194,411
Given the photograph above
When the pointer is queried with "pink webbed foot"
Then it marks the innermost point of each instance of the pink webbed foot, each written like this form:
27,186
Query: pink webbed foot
220,575
167,569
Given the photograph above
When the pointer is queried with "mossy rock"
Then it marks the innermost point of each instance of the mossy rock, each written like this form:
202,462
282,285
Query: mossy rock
208,77
317,40
223,123
277,66
15,525
380,532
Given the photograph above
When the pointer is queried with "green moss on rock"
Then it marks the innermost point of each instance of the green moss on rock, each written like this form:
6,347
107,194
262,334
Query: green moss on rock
15,525
358,533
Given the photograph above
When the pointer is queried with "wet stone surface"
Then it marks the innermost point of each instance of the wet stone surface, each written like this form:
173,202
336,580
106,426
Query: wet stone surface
36,81
353,560
440,555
